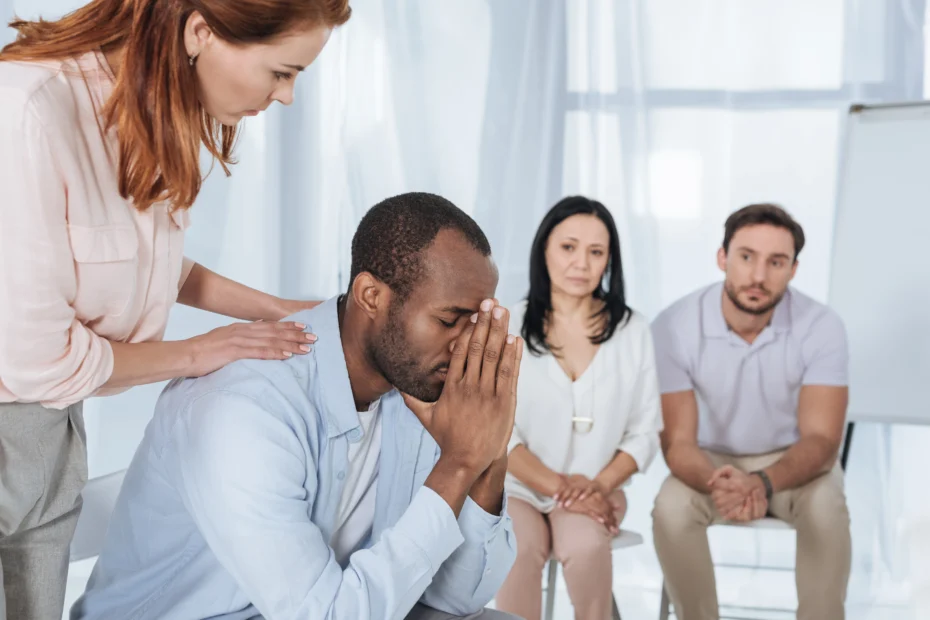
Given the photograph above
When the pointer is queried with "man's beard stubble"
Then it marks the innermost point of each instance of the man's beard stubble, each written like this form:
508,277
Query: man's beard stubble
733,294
391,356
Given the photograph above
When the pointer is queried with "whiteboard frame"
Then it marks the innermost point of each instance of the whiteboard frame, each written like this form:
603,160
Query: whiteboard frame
856,108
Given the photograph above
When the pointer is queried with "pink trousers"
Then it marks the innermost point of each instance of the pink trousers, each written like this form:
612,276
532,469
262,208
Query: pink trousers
581,545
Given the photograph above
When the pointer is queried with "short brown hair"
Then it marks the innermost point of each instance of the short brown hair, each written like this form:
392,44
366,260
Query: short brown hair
763,213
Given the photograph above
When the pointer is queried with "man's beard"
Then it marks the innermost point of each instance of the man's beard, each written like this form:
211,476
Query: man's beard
733,294
392,357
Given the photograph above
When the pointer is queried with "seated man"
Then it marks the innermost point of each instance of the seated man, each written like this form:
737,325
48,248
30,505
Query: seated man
363,480
753,377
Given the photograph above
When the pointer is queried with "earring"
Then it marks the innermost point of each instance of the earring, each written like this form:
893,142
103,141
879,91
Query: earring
191,59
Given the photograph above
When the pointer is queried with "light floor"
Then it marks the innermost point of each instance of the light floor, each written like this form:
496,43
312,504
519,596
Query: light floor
738,586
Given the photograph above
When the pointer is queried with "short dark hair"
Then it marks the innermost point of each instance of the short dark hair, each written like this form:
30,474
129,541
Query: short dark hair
763,213
539,299
392,236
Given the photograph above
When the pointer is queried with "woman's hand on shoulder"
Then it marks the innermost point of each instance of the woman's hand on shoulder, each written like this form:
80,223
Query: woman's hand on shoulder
259,340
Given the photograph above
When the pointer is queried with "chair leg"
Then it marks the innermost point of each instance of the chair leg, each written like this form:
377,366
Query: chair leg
665,604
549,610
616,610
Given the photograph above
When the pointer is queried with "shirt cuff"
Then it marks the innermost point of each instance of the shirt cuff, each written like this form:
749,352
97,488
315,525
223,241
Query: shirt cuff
642,448
430,523
98,358
480,526
825,379
668,387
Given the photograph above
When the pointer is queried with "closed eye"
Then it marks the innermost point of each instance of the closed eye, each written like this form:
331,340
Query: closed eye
449,324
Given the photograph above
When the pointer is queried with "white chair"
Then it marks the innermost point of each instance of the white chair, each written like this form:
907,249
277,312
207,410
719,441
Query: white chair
99,499
768,523
622,540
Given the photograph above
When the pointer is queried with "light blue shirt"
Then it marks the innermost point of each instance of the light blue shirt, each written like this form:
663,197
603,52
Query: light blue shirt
229,504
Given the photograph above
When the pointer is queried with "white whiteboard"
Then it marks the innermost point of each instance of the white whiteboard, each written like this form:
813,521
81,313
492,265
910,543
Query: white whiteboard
880,271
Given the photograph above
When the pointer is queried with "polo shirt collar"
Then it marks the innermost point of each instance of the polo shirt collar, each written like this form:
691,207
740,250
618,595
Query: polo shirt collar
713,325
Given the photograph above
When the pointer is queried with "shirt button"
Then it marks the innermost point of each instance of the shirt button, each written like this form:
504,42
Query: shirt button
341,475
355,434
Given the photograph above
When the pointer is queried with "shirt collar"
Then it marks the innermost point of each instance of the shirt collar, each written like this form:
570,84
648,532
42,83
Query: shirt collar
712,322
781,319
333,375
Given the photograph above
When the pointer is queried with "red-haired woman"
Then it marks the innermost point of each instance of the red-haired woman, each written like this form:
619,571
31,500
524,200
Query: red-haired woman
102,117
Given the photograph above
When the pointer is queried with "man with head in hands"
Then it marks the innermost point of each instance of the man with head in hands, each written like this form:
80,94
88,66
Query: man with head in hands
363,480
753,375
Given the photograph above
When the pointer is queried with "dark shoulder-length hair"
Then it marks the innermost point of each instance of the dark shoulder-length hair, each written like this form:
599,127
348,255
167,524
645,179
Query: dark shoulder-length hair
610,290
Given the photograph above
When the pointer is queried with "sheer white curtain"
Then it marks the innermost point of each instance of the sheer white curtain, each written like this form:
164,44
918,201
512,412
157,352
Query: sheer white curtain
671,112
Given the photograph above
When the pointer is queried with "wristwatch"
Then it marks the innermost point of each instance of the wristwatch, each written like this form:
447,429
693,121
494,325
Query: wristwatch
765,481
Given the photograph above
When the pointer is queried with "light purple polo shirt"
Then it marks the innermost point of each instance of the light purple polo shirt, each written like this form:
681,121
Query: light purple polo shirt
748,393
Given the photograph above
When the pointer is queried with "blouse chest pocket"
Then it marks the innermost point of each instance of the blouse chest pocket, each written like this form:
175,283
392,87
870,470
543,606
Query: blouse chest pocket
106,263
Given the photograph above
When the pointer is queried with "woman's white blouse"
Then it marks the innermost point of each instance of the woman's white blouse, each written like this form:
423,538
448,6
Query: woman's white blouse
619,390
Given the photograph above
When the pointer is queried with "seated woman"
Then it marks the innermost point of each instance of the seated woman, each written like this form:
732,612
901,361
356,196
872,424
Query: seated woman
588,411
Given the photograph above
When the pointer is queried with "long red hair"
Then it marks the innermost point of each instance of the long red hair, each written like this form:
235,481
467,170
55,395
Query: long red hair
154,105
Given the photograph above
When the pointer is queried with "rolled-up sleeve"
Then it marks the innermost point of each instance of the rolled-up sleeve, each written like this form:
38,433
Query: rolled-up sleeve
641,438
243,475
187,265
474,573
46,354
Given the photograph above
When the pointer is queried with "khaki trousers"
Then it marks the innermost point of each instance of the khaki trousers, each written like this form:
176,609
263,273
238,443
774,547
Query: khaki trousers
817,511
43,467
579,543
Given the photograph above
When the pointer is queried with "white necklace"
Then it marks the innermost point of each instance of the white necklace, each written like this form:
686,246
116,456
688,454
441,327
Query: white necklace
583,424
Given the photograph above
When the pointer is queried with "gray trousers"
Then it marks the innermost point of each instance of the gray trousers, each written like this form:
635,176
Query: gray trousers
422,612
43,467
